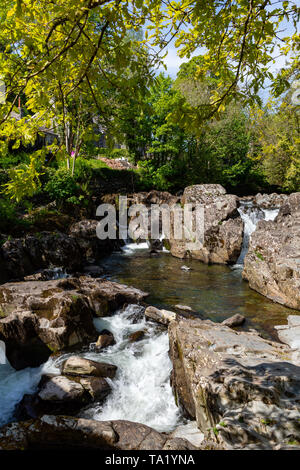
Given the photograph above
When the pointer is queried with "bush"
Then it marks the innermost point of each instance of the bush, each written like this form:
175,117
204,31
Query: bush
11,160
168,177
114,153
9,219
61,185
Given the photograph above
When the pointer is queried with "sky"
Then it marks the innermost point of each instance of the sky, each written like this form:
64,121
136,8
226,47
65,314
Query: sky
173,62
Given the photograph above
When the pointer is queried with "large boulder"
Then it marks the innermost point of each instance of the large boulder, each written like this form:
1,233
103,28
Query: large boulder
153,197
23,256
270,201
85,235
159,316
62,395
241,386
41,317
223,226
290,334
67,433
272,264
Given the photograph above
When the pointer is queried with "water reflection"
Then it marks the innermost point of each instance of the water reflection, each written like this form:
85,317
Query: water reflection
216,292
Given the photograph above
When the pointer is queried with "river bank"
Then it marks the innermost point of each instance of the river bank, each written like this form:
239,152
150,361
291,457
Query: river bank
140,391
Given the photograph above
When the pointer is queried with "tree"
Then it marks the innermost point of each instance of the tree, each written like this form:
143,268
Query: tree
239,39
84,46
277,152
73,62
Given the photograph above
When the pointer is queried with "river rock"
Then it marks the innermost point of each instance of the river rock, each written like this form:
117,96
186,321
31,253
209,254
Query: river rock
97,387
68,433
240,385
290,333
160,316
235,320
20,257
272,264
153,197
62,395
60,389
46,274
104,340
76,365
223,226
270,201
93,271
89,244
184,308
190,432
41,317
136,336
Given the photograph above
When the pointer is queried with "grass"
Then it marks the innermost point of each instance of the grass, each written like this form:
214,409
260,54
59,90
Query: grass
259,255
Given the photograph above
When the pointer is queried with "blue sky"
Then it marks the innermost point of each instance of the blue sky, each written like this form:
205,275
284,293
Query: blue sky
173,62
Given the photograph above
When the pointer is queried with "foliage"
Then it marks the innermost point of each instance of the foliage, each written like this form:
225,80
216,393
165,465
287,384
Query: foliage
25,179
238,39
61,185
11,159
278,145
7,214
167,177
83,67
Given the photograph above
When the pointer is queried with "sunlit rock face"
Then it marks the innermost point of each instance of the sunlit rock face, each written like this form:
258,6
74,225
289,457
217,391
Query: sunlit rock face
272,265
223,226
241,388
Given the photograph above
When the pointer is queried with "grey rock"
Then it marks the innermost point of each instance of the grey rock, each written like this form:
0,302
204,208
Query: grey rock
272,264
160,316
68,433
244,387
41,317
76,365
235,320
223,226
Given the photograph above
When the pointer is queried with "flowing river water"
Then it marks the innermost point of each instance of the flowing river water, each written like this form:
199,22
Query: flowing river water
141,390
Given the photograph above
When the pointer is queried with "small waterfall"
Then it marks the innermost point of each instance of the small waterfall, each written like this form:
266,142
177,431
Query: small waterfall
130,248
251,215
15,384
141,390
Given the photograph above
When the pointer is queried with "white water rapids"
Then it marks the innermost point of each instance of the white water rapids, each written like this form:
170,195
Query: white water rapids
15,384
141,390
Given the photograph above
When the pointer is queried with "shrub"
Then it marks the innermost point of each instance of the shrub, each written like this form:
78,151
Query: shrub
167,177
11,160
9,219
61,185
114,153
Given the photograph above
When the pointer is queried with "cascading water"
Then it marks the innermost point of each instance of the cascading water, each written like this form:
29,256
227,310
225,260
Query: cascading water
141,390
251,215
130,248
15,384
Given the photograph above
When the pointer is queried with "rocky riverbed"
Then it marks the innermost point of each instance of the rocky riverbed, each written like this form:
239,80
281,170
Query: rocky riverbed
89,362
